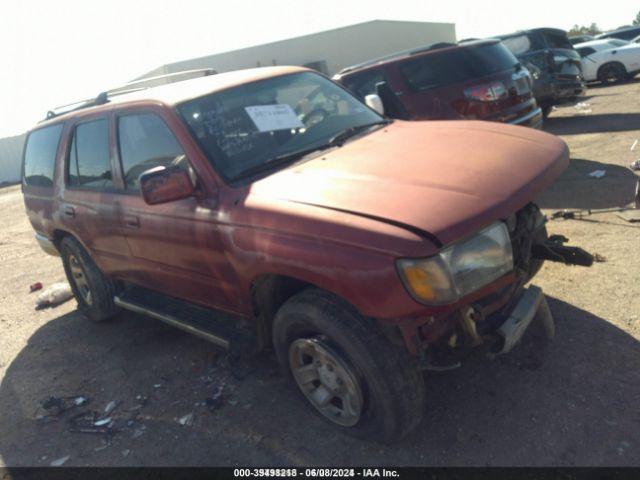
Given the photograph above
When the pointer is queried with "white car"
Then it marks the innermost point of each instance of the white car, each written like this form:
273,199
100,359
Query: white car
609,60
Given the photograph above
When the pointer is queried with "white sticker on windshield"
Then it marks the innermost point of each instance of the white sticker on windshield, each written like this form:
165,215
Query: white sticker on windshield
273,117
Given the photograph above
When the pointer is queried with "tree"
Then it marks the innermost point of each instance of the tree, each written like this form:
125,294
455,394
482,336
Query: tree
636,22
592,29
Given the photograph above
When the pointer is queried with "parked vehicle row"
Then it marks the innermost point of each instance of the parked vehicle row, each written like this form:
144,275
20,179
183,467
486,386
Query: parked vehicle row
515,78
361,250
477,80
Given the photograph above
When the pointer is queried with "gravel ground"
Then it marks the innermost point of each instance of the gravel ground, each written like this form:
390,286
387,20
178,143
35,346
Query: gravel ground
570,402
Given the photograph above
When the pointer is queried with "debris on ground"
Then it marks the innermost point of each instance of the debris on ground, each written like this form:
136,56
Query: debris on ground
56,406
138,432
635,165
111,406
633,146
59,462
187,420
583,107
125,453
35,286
90,422
598,173
55,294
215,401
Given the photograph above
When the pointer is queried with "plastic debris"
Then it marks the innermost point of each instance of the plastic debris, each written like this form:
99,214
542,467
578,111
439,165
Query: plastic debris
215,401
187,420
635,165
138,432
59,462
633,147
35,286
111,406
90,422
54,295
56,406
598,173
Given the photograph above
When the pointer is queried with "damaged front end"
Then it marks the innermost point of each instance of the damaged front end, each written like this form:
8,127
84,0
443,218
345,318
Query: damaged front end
496,318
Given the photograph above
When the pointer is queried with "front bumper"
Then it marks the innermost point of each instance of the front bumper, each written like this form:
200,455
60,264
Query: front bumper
531,304
566,89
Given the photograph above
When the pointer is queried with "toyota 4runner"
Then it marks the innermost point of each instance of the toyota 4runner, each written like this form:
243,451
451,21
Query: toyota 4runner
361,250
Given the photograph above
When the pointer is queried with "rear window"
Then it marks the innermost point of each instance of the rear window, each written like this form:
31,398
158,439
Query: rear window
458,65
40,156
557,40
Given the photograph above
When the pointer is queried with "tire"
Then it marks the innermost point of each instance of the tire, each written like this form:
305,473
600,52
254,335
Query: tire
94,292
546,110
388,384
612,73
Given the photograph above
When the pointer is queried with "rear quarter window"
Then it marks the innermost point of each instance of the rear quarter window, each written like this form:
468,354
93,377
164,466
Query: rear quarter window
40,156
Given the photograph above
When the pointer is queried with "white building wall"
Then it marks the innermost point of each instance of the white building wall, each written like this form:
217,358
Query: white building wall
11,158
339,48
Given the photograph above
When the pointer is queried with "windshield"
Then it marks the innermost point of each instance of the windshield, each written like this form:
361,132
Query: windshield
246,127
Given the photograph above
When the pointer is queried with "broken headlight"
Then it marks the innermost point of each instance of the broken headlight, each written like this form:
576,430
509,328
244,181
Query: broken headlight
459,269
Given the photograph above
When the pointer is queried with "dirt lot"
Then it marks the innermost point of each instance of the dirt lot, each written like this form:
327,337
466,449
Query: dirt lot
572,402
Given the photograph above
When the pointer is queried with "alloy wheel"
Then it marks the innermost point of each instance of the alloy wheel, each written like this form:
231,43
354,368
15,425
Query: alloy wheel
327,380
80,280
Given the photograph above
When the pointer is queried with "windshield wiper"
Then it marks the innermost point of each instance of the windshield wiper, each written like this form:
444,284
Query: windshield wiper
339,138
280,160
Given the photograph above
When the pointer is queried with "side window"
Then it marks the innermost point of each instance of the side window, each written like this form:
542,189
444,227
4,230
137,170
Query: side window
89,165
585,51
364,84
146,142
40,156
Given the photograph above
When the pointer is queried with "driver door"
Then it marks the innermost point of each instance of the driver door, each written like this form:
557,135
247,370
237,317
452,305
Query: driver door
176,247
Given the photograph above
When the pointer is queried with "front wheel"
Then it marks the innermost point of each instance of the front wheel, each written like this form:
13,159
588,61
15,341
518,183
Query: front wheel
347,370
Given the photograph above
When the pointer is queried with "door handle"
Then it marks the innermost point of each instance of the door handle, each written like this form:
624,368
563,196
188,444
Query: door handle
70,212
132,222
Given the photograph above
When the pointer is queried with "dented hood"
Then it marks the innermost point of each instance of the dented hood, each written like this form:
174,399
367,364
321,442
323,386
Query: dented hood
446,179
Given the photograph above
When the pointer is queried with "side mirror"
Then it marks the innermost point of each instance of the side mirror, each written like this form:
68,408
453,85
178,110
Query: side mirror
375,102
165,184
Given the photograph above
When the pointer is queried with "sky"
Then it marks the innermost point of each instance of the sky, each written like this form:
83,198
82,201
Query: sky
58,51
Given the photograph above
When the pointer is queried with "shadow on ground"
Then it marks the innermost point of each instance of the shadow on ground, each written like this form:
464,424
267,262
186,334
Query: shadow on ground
575,189
592,123
564,403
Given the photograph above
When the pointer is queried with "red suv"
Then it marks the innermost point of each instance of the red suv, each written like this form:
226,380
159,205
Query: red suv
361,250
477,80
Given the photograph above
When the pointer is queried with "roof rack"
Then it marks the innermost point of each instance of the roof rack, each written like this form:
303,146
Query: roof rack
134,86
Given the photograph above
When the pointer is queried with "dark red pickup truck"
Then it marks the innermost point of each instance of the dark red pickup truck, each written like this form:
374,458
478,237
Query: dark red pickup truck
358,248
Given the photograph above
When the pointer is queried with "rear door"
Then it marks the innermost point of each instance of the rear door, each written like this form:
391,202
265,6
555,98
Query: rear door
87,202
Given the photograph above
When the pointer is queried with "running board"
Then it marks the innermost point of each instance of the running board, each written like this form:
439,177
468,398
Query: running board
188,317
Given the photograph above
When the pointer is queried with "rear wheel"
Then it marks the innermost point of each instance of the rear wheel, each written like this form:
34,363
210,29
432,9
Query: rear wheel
611,73
93,290
347,370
